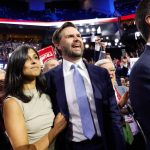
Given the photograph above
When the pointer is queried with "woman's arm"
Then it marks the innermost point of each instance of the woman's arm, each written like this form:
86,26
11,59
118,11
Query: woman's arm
17,132
59,124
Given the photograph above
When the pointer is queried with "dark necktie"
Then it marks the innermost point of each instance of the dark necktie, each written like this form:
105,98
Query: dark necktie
84,108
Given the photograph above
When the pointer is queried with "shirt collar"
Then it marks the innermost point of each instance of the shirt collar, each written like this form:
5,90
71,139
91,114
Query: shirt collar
67,64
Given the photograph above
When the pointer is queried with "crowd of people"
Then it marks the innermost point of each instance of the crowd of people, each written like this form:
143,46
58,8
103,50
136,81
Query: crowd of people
7,47
72,104
47,15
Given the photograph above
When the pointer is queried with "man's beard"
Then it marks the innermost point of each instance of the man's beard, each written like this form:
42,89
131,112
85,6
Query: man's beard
72,54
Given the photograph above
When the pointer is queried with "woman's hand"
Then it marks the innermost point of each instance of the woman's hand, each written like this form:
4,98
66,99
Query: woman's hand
60,122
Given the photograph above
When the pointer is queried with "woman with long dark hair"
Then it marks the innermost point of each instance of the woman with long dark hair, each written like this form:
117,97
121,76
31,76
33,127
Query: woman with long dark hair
27,110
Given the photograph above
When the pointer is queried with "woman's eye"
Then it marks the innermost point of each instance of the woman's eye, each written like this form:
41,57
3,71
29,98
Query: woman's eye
36,57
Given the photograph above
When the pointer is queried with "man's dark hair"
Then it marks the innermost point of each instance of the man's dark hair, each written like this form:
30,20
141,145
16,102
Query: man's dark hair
56,36
142,11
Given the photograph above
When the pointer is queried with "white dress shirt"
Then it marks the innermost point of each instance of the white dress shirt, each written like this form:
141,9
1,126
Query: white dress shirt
74,118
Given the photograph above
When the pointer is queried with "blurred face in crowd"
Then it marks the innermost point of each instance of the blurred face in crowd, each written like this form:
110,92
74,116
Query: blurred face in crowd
32,66
71,43
111,69
122,81
97,40
127,84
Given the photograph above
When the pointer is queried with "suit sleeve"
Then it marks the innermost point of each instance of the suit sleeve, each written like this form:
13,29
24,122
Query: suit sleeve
51,90
114,118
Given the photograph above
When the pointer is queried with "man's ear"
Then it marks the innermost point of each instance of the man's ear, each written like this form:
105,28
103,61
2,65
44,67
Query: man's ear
57,45
147,19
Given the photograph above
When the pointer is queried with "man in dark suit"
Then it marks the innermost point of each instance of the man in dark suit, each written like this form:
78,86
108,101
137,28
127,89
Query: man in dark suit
139,90
106,119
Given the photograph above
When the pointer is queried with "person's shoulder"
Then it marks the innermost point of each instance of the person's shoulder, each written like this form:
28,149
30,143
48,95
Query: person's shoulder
97,71
140,64
10,99
11,103
53,70
97,68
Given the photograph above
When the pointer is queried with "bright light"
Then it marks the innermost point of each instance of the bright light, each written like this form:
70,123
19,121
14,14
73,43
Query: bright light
5,67
116,40
9,54
109,44
99,31
93,37
106,43
81,30
87,30
137,35
93,29
86,45
107,38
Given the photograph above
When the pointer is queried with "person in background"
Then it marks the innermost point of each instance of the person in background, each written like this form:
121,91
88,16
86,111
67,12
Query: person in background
108,56
108,64
127,83
122,96
4,142
122,69
139,89
120,91
76,86
138,142
122,79
27,110
49,64
99,52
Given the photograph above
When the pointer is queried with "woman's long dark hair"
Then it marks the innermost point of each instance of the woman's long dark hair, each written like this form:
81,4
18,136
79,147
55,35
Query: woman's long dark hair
14,78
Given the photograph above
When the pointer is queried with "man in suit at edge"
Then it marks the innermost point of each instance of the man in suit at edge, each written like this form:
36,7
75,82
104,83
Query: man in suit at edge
104,111
139,90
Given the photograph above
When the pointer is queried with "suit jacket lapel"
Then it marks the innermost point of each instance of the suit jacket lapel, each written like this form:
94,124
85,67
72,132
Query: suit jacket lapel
97,94
61,94
96,91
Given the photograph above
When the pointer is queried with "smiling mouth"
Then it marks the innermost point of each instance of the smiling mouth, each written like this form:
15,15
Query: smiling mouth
35,68
76,46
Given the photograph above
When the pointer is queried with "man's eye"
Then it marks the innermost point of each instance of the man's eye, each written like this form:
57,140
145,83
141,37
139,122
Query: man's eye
69,36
